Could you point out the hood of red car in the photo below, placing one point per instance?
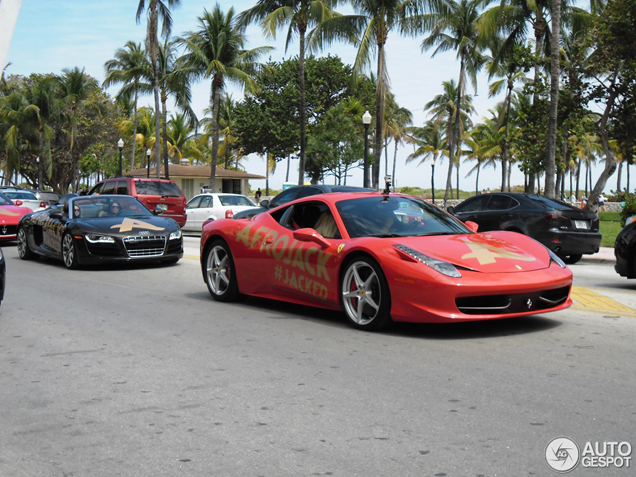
(492, 252)
(10, 214)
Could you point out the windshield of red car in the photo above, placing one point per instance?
(395, 216)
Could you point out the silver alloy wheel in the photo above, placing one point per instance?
(361, 293)
(68, 251)
(218, 270)
(22, 243)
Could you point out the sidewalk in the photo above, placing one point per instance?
(605, 254)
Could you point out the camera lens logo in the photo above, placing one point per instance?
(562, 454)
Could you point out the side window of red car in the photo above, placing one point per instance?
(122, 187)
(109, 187)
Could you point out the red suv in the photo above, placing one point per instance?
(164, 194)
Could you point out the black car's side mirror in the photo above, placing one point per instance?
(157, 211)
(450, 209)
(56, 214)
(264, 203)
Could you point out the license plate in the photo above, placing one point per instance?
(581, 224)
(162, 206)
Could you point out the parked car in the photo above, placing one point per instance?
(162, 193)
(204, 207)
(297, 192)
(99, 228)
(24, 198)
(566, 230)
(625, 251)
(47, 196)
(10, 215)
(353, 252)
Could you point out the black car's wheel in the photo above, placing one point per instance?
(220, 274)
(366, 299)
(69, 252)
(24, 252)
(572, 259)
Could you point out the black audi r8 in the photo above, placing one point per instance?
(100, 228)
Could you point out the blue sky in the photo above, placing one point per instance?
(50, 36)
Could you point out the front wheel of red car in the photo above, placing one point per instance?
(365, 295)
(220, 274)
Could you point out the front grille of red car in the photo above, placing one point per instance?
(8, 230)
(516, 303)
(145, 246)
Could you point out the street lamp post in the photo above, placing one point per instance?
(366, 121)
(148, 152)
(120, 145)
(433, 180)
(39, 186)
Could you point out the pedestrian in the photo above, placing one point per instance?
(601, 201)
(257, 196)
(583, 201)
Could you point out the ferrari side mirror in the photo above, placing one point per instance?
(310, 235)
(472, 225)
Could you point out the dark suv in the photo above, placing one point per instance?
(296, 192)
(164, 194)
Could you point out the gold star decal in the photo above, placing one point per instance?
(487, 254)
(128, 224)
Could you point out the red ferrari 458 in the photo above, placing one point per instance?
(382, 258)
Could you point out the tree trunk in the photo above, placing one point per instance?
(164, 114)
(134, 138)
(379, 115)
(153, 43)
(216, 93)
(302, 106)
(550, 166)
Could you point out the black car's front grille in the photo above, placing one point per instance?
(515, 303)
(145, 246)
(8, 230)
(104, 249)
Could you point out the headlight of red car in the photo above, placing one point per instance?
(440, 266)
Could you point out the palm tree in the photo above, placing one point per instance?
(129, 67)
(216, 51)
(181, 139)
(300, 15)
(76, 89)
(429, 142)
(453, 26)
(41, 93)
(398, 119)
(145, 136)
(18, 119)
(173, 80)
(369, 29)
(157, 10)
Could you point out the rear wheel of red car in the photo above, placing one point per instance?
(24, 252)
(220, 274)
(69, 252)
(366, 299)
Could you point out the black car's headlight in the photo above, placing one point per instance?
(440, 266)
(556, 259)
(96, 238)
(176, 235)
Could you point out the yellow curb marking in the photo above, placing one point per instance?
(592, 301)
(191, 257)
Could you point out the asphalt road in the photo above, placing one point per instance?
(137, 372)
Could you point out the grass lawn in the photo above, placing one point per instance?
(609, 226)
